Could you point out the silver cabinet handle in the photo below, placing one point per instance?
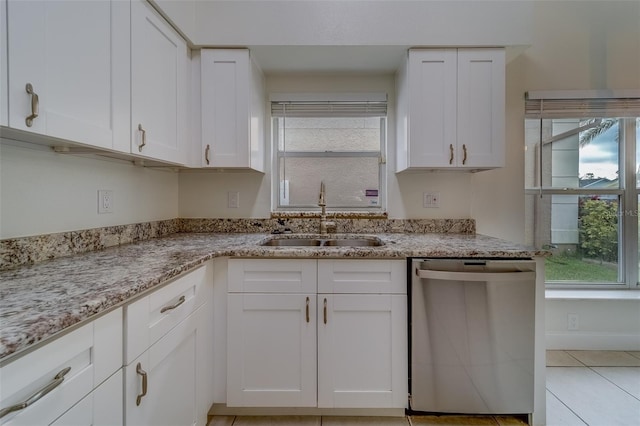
(308, 319)
(57, 381)
(142, 373)
(464, 154)
(144, 137)
(206, 153)
(324, 310)
(450, 153)
(35, 102)
(170, 307)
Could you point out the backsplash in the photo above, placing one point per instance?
(28, 250)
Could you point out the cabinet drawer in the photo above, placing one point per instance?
(272, 276)
(153, 316)
(102, 407)
(362, 276)
(89, 355)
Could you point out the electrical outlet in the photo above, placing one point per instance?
(105, 201)
(573, 322)
(233, 199)
(431, 200)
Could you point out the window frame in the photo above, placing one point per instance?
(585, 105)
(336, 99)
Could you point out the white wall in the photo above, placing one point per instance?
(205, 194)
(342, 22)
(43, 192)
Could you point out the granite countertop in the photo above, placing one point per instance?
(41, 300)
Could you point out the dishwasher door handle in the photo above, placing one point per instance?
(476, 276)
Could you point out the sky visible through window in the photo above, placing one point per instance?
(600, 156)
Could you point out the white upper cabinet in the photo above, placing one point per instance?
(159, 87)
(233, 110)
(451, 107)
(68, 70)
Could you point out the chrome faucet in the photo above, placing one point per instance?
(325, 225)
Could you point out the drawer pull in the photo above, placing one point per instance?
(35, 102)
(142, 373)
(464, 150)
(450, 153)
(308, 319)
(324, 310)
(57, 380)
(168, 308)
(206, 153)
(143, 134)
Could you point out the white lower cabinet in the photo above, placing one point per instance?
(313, 349)
(169, 381)
(271, 350)
(67, 377)
(362, 351)
(161, 383)
(102, 407)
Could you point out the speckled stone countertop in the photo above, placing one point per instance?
(40, 300)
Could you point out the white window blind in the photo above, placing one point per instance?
(581, 107)
(329, 109)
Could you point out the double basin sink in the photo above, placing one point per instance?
(320, 241)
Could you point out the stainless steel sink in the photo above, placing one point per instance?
(354, 242)
(324, 242)
(280, 242)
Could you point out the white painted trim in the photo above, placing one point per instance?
(592, 341)
(583, 94)
(592, 295)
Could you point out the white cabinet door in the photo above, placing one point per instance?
(362, 351)
(481, 107)
(451, 107)
(271, 343)
(232, 107)
(160, 385)
(75, 58)
(432, 108)
(159, 87)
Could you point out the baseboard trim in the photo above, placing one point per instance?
(223, 410)
(593, 341)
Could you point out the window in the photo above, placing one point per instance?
(340, 143)
(582, 184)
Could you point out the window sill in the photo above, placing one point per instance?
(630, 294)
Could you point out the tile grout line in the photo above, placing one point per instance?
(581, 363)
(568, 408)
(614, 383)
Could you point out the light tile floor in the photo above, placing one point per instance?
(593, 388)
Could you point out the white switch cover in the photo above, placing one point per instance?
(105, 201)
(233, 199)
(431, 200)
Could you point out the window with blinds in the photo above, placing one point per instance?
(338, 142)
(582, 180)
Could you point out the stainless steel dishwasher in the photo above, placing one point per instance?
(472, 336)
